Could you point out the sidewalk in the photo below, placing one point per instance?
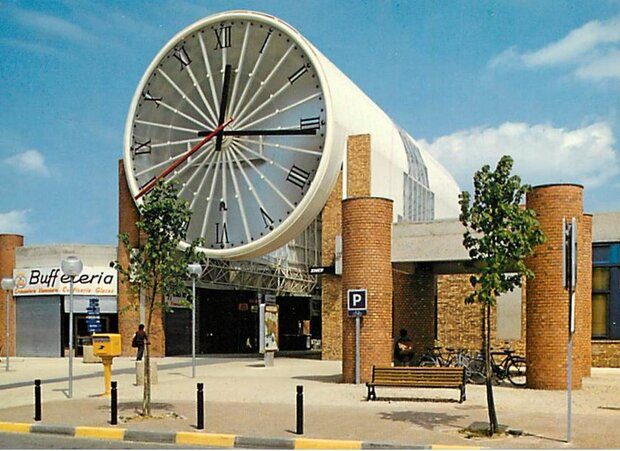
(244, 398)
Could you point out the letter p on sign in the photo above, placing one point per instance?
(357, 301)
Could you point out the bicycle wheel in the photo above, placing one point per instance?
(428, 361)
(515, 370)
(474, 371)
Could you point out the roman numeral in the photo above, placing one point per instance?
(266, 219)
(265, 41)
(302, 70)
(141, 148)
(151, 98)
(223, 37)
(310, 123)
(183, 57)
(221, 234)
(298, 177)
(223, 206)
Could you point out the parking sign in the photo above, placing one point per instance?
(357, 301)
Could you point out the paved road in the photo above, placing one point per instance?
(47, 441)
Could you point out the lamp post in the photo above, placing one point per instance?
(195, 271)
(7, 285)
(71, 266)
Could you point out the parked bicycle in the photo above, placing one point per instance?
(511, 367)
(435, 357)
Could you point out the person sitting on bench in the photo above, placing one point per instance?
(403, 350)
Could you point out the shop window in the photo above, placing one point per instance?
(599, 315)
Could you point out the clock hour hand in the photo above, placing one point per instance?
(149, 186)
(223, 104)
(275, 132)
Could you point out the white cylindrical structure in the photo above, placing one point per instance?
(400, 170)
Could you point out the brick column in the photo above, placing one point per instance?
(128, 304)
(8, 244)
(547, 300)
(366, 243)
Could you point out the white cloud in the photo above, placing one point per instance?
(51, 25)
(31, 161)
(592, 50)
(14, 221)
(542, 153)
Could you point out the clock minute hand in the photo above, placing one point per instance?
(223, 103)
(275, 132)
(149, 186)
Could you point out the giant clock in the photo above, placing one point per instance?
(236, 110)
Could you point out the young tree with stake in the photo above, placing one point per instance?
(156, 267)
(500, 235)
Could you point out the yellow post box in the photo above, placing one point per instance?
(107, 346)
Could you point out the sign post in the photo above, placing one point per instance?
(569, 273)
(357, 306)
(268, 329)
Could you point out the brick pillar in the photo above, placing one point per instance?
(128, 304)
(547, 300)
(8, 244)
(584, 294)
(366, 253)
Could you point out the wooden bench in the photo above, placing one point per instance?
(417, 377)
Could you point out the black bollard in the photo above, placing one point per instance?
(200, 406)
(114, 404)
(300, 409)
(37, 400)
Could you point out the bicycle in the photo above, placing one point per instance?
(512, 367)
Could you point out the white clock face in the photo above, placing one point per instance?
(249, 181)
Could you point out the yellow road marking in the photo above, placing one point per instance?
(454, 447)
(309, 443)
(202, 438)
(103, 433)
(14, 427)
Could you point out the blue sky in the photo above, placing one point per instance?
(471, 80)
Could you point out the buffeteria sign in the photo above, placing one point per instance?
(93, 280)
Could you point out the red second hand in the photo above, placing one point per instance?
(174, 165)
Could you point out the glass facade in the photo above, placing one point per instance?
(419, 200)
(606, 291)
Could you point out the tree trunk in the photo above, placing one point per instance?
(146, 394)
(489, 373)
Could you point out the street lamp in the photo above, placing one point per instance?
(195, 271)
(71, 266)
(7, 285)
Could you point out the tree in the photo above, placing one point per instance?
(500, 235)
(156, 268)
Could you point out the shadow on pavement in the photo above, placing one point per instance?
(426, 420)
(331, 378)
(98, 374)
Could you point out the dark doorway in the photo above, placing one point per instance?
(228, 321)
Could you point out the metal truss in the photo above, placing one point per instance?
(282, 272)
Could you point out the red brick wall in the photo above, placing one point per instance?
(366, 239)
(331, 285)
(8, 244)
(606, 353)
(129, 316)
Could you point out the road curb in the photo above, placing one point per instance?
(207, 439)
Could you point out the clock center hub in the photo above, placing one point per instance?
(227, 141)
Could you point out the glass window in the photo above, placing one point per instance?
(599, 315)
(600, 279)
(600, 254)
